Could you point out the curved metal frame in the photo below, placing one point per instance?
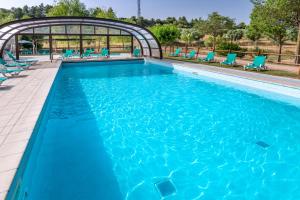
(16, 27)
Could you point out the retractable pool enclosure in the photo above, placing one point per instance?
(78, 27)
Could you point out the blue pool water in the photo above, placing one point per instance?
(140, 131)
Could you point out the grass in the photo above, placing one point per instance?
(239, 67)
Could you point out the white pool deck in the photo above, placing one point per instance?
(22, 99)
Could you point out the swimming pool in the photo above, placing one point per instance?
(138, 130)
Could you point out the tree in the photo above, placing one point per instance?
(102, 13)
(5, 16)
(241, 25)
(216, 25)
(183, 23)
(166, 34)
(188, 35)
(293, 7)
(68, 8)
(171, 20)
(234, 35)
(291, 10)
(209, 41)
(253, 34)
(272, 21)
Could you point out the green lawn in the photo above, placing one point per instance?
(239, 67)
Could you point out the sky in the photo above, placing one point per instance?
(237, 9)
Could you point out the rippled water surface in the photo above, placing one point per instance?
(116, 131)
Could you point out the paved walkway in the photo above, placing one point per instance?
(21, 101)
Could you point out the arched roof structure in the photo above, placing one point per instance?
(148, 42)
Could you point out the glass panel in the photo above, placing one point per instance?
(62, 42)
(139, 37)
(148, 36)
(155, 53)
(28, 31)
(73, 29)
(101, 30)
(87, 30)
(42, 30)
(42, 45)
(6, 36)
(1, 42)
(146, 52)
(113, 31)
(120, 44)
(58, 29)
(94, 43)
(144, 43)
(124, 33)
(143, 32)
(153, 43)
(14, 31)
(7, 28)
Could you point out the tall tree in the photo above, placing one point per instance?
(291, 10)
(293, 7)
(182, 22)
(166, 34)
(68, 8)
(102, 13)
(254, 31)
(216, 25)
(253, 34)
(272, 21)
(5, 16)
(188, 36)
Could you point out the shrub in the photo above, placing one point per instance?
(225, 46)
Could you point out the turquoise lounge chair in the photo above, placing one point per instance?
(230, 60)
(136, 53)
(176, 53)
(190, 55)
(2, 79)
(14, 64)
(12, 72)
(209, 58)
(104, 53)
(258, 63)
(68, 54)
(26, 61)
(87, 53)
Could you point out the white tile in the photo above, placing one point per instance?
(2, 138)
(21, 136)
(12, 148)
(2, 195)
(5, 130)
(19, 111)
(10, 162)
(6, 179)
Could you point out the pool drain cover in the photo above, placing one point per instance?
(262, 144)
(165, 187)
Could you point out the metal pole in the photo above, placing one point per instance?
(50, 47)
(108, 44)
(80, 42)
(131, 45)
(17, 47)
